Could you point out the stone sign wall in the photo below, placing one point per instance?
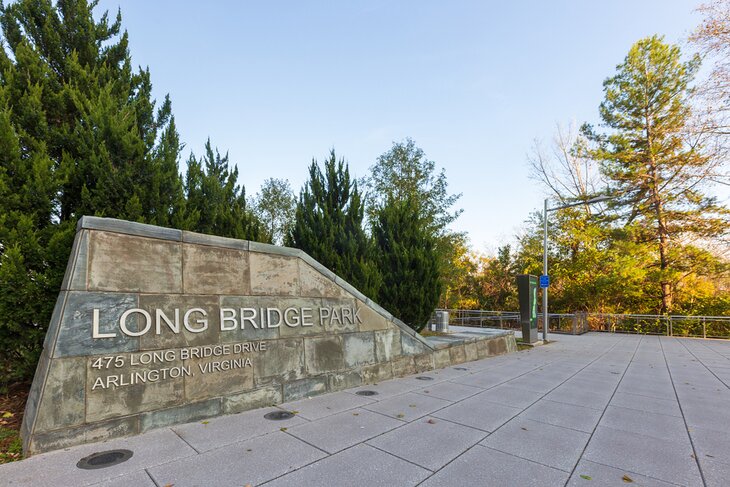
(155, 326)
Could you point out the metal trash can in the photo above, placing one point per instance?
(442, 322)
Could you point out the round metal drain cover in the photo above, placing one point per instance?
(104, 459)
(424, 377)
(366, 393)
(460, 368)
(278, 415)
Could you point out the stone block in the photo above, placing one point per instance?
(214, 241)
(129, 228)
(423, 362)
(314, 284)
(223, 376)
(78, 435)
(257, 398)
(63, 395)
(123, 263)
(274, 275)
(342, 317)
(457, 354)
(215, 270)
(282, 359)
(187, 413)
(249, 332)
(350, 289)
(412, 346)
(265, 248)
(324, 354)
(371, 319)
(338, 381)
(387, 344)
(75, 333)
(404, 365)
(471, 352)
(303, 310)
(299, 389)
(441, 359)
(376, 373)
(175, 307)
(482, 349)
(359, 349)
(75, 277)
(497, 346)
(120, 391)
(53, 326)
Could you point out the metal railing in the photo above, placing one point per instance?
(581, 322)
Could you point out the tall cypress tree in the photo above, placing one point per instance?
(329, 225)
(405, 253)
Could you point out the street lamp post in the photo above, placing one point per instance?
(545, 315)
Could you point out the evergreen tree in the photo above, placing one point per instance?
(652, 161)
(216, 203)
(328, 225)
(274, 206)
(405, 252)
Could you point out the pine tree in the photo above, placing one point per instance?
(653, 162)
(328, 225)
(405, 253)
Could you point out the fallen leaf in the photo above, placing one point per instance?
(627, 479)
(586, 477)
(248, 449)
(7, 414)
(709, 456)
(426, 392)
(169, 485)
(282, 429)
(204, 422)
(431, 421)
(356, 414)
(411, 405)
(400, 415)
(524, 428)
(692, 455)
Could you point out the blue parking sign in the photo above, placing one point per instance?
(544, 281)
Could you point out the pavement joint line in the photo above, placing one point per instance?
(401, 458)
(681, 410)
(185, 441)
(151, 477)
(286, 432)
(635, 473)
(603, 413)
(703, 364)
(530, 405)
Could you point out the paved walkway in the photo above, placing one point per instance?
(588, 411)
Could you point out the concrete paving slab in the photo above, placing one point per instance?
(356, 466)
(508, 395)
(59, 467)
(716, 473)
(645, 403)
(565, 415)
(475, 413)
(451, 391)
(659, 426)
(136, 479)
(483, 379)
(540, 442)
(590, 474)
(225, 430)
(660, 459)
(409, 406)
(326, 405)
(484, 466)
(343, 430)
(580, 396)
(647, 387)
(712, 444)
(248, 462)
(429, 442)
(537, 382)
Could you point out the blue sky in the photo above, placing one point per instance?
(472, 82)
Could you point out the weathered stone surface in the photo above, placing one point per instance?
(482, 349)
(411, 346)
(299, 308)
(283, 359)
(300, 389)
(273, 275)
(457, 354)
(123, 263)
(404, 365)
(441, 359)
(223, 376)
(387, 344)
(341, 321)
(359, 349)
(182, 414)
(214, 241)
(63, 402)
(75, 277)
(423, 362)
(372, 320)
(52, 331)
(497, 346)
(257, 398)
(63, 438)
(470, 350)
(214, 270)
(314, 284)
(110, 402)
(249, 332)
(75, 333)
(183, 303)
(129, 228)
(324, 354)
(338, 381)
(376, 373)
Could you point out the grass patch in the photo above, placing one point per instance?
(429, 333)
(12, 405)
